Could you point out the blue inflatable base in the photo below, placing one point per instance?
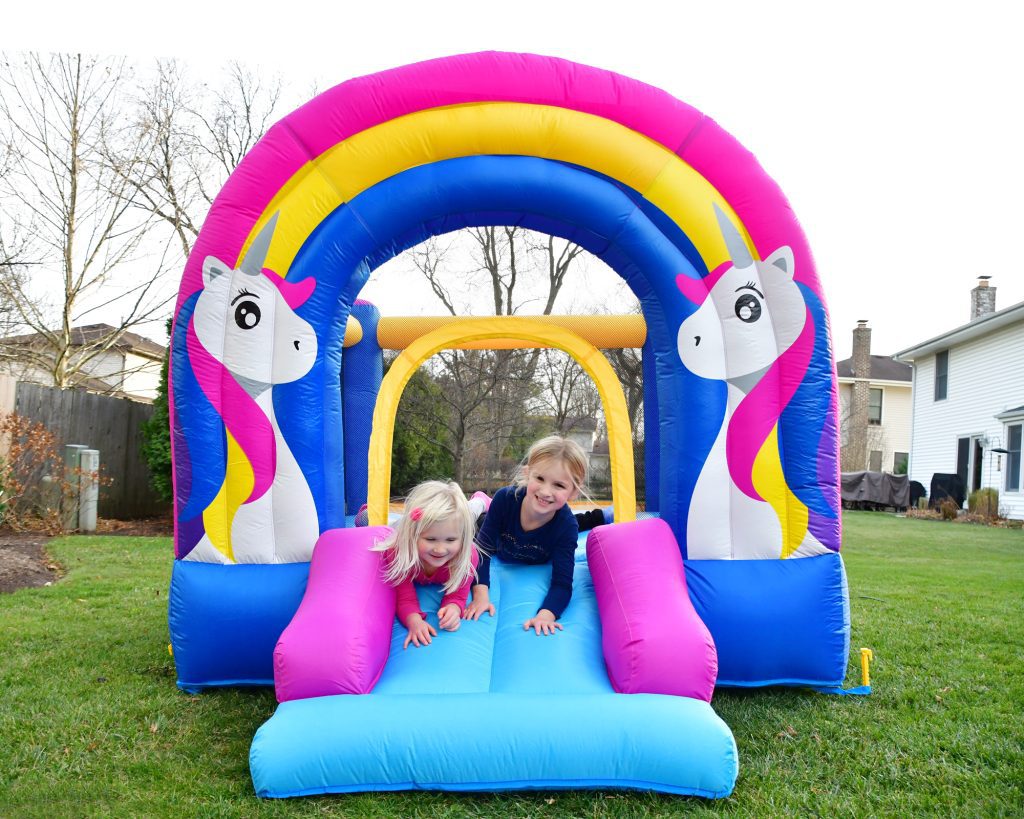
(494, 742)
(774, 622)
(225, 620)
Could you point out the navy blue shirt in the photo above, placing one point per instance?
(502, 534)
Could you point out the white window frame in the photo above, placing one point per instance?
(881, 403)
(1007, 426)
(945, 376)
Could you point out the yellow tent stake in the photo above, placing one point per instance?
(866, 656)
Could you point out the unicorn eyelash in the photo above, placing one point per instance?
(243, 292)
(750, 286)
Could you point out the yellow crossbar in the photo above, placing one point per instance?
(603, 332)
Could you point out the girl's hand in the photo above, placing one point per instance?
(480, 603)
(543, 623)
(448, 617)
(420, 632)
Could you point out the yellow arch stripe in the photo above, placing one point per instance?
(770, 483)
(504, 128)
(620, 447)
(237, 486)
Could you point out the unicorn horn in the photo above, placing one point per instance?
(733, 241)
(256, 255)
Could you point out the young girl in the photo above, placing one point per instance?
(432, 543)
(530, 522)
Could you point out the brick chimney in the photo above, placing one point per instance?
(983, 298)
(854, 456)
(862, 349)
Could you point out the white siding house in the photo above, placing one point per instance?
(968, 404)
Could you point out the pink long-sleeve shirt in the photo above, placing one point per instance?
(408, 603)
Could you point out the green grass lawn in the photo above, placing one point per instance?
(91, 722)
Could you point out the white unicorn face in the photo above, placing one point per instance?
(243, 321)
(753, 315)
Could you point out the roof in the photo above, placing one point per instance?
(883, 368)
(91, 333)
(966, 332)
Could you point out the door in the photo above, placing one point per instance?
(963, 459)
(977, 456)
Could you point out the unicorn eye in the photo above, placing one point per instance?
(247, 315)
(748, 308)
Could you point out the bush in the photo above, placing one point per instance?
(949, 509)
(984, 502)
(33, 485)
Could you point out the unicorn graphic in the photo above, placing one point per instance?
(752, 330)
(245, 337)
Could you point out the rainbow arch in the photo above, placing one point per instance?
(327, 159)
(640, 179)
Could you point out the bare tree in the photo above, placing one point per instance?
(155, 156)
(488, 394)
(184, 140)
(12, 273)
(77, 214)
(628, 365)
(241, 111)
(566, 392)
(857, 440)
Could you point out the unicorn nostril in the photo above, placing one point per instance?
(696, 341)
(296, 343)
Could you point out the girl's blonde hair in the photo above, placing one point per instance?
(428, 503)
(559, 449)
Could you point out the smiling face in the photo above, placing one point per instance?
(439, 543)
(549, 486)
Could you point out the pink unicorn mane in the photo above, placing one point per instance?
(246, 422)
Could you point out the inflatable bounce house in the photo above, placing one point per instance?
(282, 427)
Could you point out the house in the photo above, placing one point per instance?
(129, 368)
(582, 430)
(875, 407)
(969, 401)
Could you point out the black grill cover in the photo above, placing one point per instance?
(879, 488)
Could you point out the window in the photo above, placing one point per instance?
(899, 462)
(875, 406)
(941, 374)
(1013, 434)
(875, 460)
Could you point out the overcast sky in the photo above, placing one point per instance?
(894, 128)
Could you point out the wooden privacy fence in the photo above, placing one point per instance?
(111, 425)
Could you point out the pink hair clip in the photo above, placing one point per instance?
(416, 514)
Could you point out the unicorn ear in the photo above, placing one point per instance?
(214, 267)
(783, 259)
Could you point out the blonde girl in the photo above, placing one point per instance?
(530, 522)
(432, 543)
